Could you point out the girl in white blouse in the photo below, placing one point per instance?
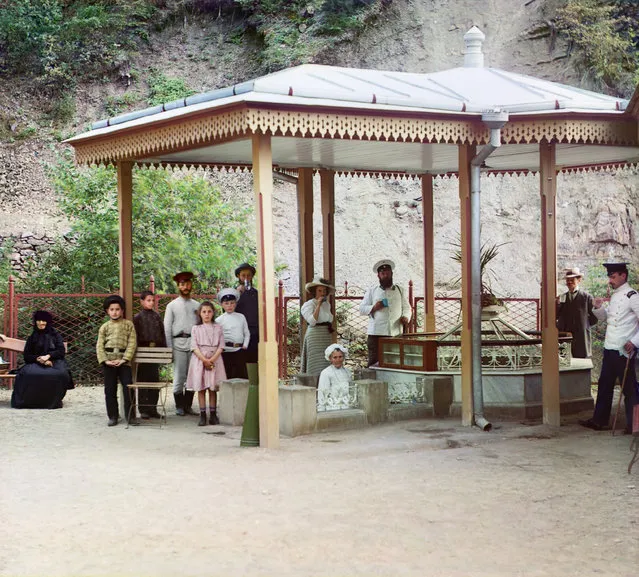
(317, 313)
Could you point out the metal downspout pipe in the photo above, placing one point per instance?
(494, 120)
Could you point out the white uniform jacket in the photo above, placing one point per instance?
(386, 321)
(622, 316)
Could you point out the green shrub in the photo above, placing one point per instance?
(57, 41)
(604, 34)
(180, 220)
(163, 89)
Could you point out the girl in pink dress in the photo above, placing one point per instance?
(206, 368)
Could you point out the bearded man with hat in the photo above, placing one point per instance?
(574, 314)
(179, 319)
(622, 339)
(248, 306)
(387, 307)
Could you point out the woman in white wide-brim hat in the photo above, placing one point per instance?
(317, 313)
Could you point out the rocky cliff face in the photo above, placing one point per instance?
(377, 218)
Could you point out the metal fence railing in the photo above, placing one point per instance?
(78, 316)
(351, 326)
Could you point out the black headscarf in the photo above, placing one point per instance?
(42, 315)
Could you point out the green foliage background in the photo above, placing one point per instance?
(180, 222)
(605, 34)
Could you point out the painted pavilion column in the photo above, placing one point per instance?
(429, 253)
(549, 332)
(125, 213)
(305, 226)
(267, 347)
(327, 187)
(466, 154)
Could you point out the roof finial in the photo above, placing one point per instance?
(474, 57)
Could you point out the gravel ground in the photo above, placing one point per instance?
(425, 497)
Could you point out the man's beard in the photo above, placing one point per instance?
(386, 283)
(185, 293)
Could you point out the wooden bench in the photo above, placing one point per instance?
(12, 345)
(150, 355)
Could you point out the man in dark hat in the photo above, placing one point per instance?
(179, 319)
(387, 307)
(622, 338)
(248, 306)
(574, 314)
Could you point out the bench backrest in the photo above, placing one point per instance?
(17, 345)
(153, 355)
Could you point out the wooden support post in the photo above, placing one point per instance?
(429, 253)
(549, 333)
(305, 226)
(466, 154)
(267, 348)
(125, 213)
(327, 187)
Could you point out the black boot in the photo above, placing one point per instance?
(188, 401)
(179, 403)
(213, 420)
(202, 420)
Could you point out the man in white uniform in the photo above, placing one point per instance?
(622, 338)
(387, 307)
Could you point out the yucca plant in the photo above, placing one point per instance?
(488, 253)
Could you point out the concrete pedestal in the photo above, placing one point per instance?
(232, 399)
(373, 400)
(298, 410)
(340, 420)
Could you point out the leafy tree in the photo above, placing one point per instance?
(180, 221)
(605, 36)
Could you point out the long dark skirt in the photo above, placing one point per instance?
(38, 387)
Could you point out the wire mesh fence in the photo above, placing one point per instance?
(351, 325)
(78, 317)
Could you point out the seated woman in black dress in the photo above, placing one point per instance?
(44, 379)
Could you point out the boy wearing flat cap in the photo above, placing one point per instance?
(236, 334)
(247, 305)
(622, 338)
(115, 349)
(574, 314)
(179, 318)
(387, 307)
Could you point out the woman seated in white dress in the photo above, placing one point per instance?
(334, 381)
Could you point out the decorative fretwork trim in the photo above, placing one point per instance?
(231, 124)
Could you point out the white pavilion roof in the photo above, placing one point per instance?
(464, 92)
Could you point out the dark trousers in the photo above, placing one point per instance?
(111, 376)
(613, 368)
(235, 365)
(373, 349)
(251, 353)
(148, 398)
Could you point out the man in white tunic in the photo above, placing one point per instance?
(622, 339)
(179, 319)
(387, 307)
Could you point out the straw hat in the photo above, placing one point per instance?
(573, 273)
(317, 281)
